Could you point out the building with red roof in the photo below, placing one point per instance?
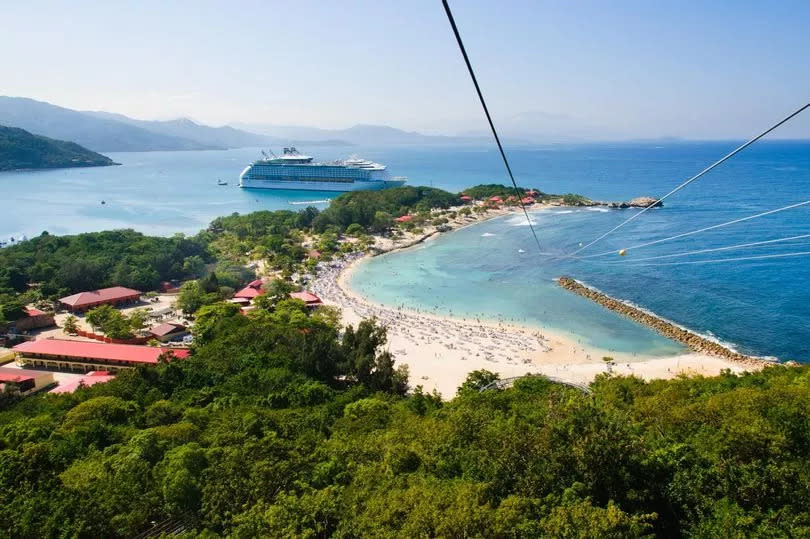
(307, 297)
(496, 199)
(404, 219)
(33, 319)
(115, 296)
(89, 356)
(528, 200)
(23, 380)
(168, 331)
(90, 379)
(465, 198)
(253, 289)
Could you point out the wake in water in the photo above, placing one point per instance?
(296, 203)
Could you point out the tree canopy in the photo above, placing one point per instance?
(283, 424)
(64, 265)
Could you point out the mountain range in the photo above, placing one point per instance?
(109, 132)
(367, 135)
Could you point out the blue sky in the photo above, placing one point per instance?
(592, 69)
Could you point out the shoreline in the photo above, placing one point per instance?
(441, 350)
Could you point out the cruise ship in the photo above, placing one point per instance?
(295, 171)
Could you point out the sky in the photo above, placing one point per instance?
(581, 69)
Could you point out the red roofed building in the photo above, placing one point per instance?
(23, 380)
(528, 200)
(496, 199)
(255, 288)
(90, 379)
(115, 296)
(466, 198)
(33, 319)
(307, 297)
(89, 356)
(168, 331)
(404, 219)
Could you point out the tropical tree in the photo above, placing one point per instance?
(70, 325)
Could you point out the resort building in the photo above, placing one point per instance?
(90, 379)
(24, 381)
(404, 219)
(168, 331)
(78, 356)
(255, 288)
(116, 296)
(307, 297)
(33, 319)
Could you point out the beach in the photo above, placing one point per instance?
(440, 351)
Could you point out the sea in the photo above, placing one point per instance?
(495, 270)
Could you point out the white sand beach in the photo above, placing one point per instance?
(440, 351)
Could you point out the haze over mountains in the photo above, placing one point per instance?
(363, 134)
(110, 132)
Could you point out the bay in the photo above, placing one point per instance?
(760, 306)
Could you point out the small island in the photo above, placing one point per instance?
(20, 150)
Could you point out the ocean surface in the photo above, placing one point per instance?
(762, 306)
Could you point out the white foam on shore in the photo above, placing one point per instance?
(487, 235)
(600, 210)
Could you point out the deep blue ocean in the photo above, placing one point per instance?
(760, 306)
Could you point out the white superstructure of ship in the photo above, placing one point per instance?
(295, 171)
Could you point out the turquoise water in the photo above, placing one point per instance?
(762, 307)
(477, 272)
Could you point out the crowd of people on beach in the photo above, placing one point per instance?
(466, 339)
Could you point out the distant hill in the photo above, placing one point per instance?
(98, 134)
(110, 132)
(221, 137)
(367, 135)
(20, 149)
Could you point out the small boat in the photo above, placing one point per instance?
(103, 202)
(222, 182)
(521, 251)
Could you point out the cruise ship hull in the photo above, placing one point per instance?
(304, 185)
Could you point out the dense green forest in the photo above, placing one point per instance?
(20, 149)
(67, 264)
(367, 207)
(279, 425)
(481, 192)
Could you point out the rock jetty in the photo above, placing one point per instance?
(658, 324)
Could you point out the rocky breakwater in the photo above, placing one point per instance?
(694, 341)
(638, 202)
(578, 200)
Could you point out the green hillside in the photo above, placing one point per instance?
(20, 149)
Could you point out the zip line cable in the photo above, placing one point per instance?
(693, 178)
(715, 249)
(489, 119)
(736, 259)
(705, 229)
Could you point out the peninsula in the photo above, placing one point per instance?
(21, 150)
